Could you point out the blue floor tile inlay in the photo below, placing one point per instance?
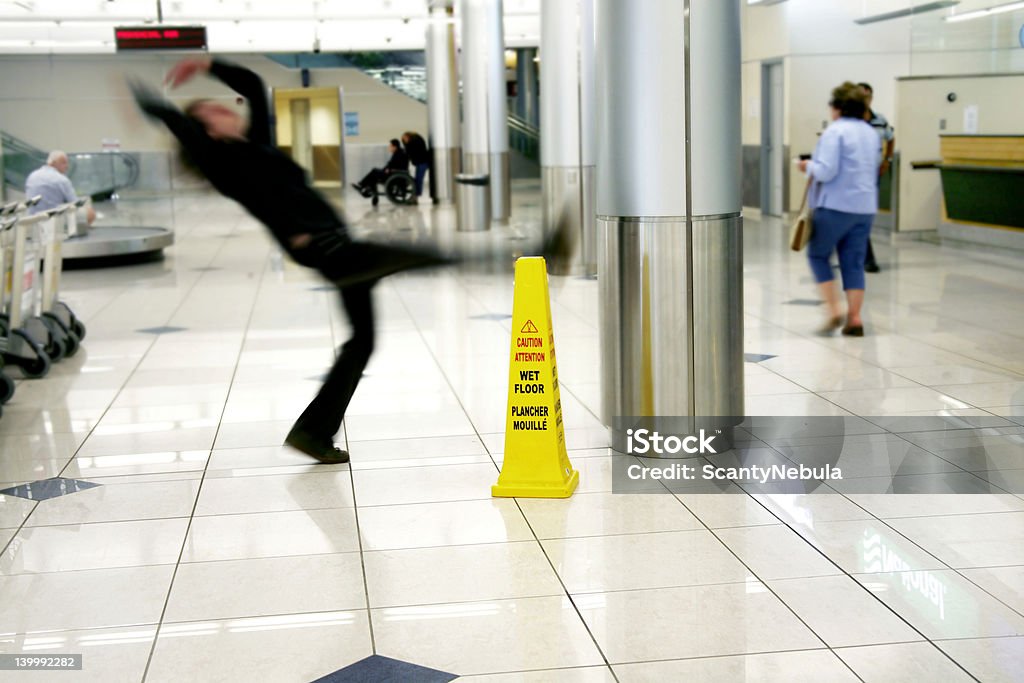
(162, 330)
(491, 316)
(803, 302)
(386, 670)
(49, 488)
(756, 357)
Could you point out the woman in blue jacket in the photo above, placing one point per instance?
(844, 196)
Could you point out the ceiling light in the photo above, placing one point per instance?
(909, 11)
(988, 11)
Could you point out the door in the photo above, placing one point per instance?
(308, 126)
(773, 158)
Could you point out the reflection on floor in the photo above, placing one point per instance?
(209, 553)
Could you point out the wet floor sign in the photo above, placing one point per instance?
(536, 464)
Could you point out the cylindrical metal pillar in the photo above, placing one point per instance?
(668, 204)
(567, 108)
(484, 110)
(527, 90)
(442, 102)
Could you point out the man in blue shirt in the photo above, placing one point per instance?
(887, 142)
(51, 183)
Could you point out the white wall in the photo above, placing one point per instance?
(74, 102)
(923, 106)
(821, 46)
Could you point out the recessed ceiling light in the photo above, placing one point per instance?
(908, 11)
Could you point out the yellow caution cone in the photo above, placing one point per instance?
(536, 464)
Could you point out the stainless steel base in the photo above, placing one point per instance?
(446, 162)
(568, 196)
(671, 318)
(104, 241)
(497, 167)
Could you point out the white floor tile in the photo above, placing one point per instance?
(119, 503)
(288, 648)
(486, 637)
(902, 663)
(63, 601)
(602, 514)
(656, 560)
(395, 527)
(587, 674)
(424, 484)
(776, 552)
(942, 604)
(806, 666)
(860, 545)
(500, 571)
(271, 534)
(988, 659)
(115, 654)
(266, 586)
(275, 493)
(698, 621)
(963, 541)
(1006, 584)
(94, 546)
(841, 612)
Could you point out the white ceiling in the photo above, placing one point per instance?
(87, 26)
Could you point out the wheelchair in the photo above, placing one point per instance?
(400, 188)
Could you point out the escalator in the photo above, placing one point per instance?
(98, 175)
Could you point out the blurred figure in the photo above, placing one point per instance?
(51, 182)
(419, 157)
(398, 162)
(844, 196)
(887, 142)
(242, 163)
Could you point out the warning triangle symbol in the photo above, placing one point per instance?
(529, 328)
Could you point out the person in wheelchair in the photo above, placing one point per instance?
(399, 162)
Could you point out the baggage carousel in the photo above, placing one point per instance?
(113, 243)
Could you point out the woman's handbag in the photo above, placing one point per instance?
(800, 233)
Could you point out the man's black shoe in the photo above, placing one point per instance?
(871, 268)
(321, 450)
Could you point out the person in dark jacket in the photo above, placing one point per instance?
(242, 163)
(399, 161)
(419, 157)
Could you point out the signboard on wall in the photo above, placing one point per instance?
(160, 38)
(351, 124)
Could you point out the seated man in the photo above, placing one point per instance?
(51, 183)
(398, 162)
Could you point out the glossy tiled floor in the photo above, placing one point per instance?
(209, 553)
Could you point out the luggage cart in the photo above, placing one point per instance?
(27, 340)
(62, 320)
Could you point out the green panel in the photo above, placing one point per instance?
(980, 195)
(885, 190)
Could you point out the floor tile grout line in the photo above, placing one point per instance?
(199, 490)
(850, 576)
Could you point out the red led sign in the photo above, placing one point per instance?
(160, 37)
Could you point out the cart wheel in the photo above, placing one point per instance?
(375, 200)
(6, 388)
(55, 347)
(39, 364)
(78, 327)
(60, 332)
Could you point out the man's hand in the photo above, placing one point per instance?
(802, 165)
(185, 70)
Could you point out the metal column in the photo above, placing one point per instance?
(568, 147)
(668, 203)
(484, 110)
(442, 101)
(302, 140)
(527, 93)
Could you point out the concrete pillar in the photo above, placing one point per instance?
(442, 102)
(484, 112)
(568, 147)
(668, 204)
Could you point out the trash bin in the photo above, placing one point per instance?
(473, 201)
